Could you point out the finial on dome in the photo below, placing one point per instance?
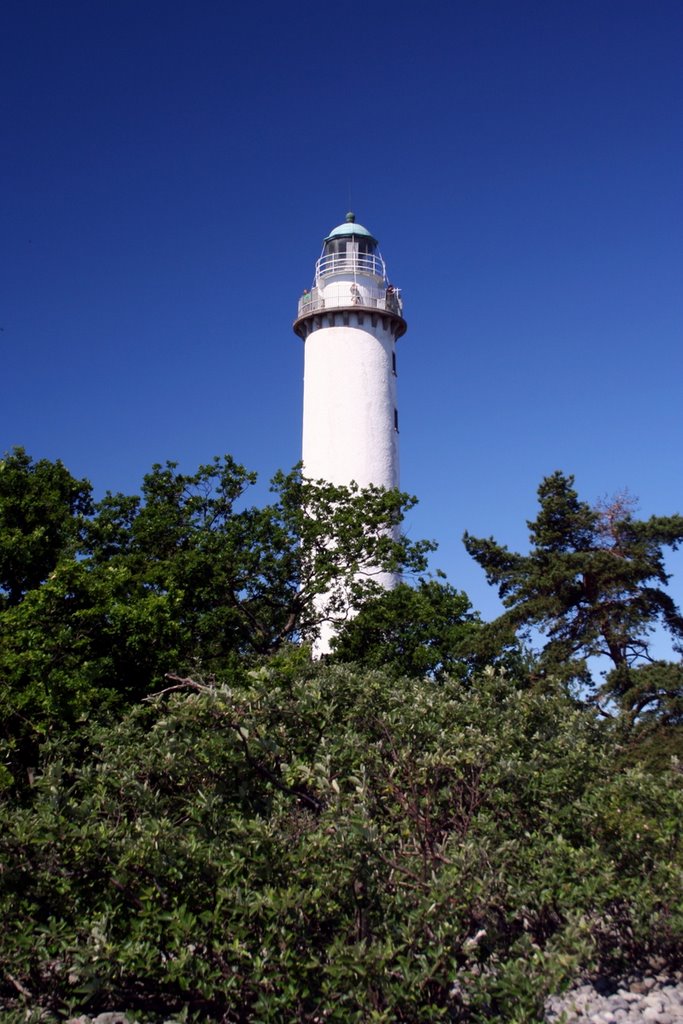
(350, 218)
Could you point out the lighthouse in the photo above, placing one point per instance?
(349, 322)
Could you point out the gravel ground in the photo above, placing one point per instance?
(650, 1000)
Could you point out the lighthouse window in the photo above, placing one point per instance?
(396, 420)
(336, 247)
(393, 363)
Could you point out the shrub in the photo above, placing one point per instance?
(324, 844)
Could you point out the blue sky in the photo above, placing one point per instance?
(169, 170)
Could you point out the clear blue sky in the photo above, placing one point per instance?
(169, 170)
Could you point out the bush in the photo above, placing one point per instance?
(322, 844)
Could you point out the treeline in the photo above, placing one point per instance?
(443, 821)
(98, 600)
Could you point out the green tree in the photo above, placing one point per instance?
(319, 841)
(592, 584)
(649, 697)
(651, 691)
(87, 641)
(41, 515)
(426, 630)
(187, 576)
(248, 579)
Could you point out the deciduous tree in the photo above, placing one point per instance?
(102, 601)
(426, 630)
(324, 842)
(41, 512)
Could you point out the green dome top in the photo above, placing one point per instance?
(348, 228)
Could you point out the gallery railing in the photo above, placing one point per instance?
(345, 296)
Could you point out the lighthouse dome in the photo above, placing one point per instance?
(350, 228)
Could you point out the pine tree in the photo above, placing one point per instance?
(592, 584)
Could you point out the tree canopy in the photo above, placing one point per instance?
(41, 512)
(428, 825)
(318, 842)
(593, 584)
(429, 629)
(102, 599)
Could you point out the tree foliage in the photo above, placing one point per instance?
(247, 578)
(314, 842)
(425, 630)
(41, 511)
(593, 584)
(102, 600)
(319, 843)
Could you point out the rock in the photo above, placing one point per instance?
(113, 1018)
(646, 1000)
(627, 996)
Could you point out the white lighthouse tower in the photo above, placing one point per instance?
(350, 322)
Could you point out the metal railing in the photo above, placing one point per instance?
(350, 263)
(347, 296)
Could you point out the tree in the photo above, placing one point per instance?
(651, 691)
(184, 577)
(426, 630)
(336, 844)
(88, 641)
(249, 579)
(592, 583)
(41, 514)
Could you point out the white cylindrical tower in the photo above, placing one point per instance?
(350, 322)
